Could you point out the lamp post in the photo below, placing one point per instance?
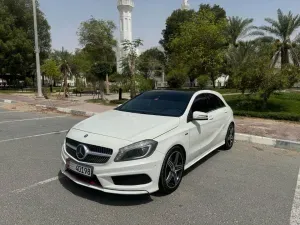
(37, 54)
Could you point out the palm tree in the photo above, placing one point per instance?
(280, 32)
(64, 60)
(238, 28)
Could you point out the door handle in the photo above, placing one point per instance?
(210, 117)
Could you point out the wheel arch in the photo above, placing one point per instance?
(183, 150)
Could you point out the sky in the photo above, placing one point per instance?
(148, 17)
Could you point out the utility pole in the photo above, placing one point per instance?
(37, 54)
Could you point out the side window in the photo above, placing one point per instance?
(214, 102)
(200, 104)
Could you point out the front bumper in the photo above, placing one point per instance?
(150, 166)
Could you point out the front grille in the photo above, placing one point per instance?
(92, 148)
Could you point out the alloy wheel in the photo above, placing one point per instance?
(230, 137)
(174, 169)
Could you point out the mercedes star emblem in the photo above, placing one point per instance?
(81, 152)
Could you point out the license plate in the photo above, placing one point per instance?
(81, 169)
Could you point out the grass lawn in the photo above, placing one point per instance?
(281, 106)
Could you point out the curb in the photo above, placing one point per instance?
(68, 111)
(277, 143)
(7, 101)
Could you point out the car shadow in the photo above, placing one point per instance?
(102, 197)
(201, 161)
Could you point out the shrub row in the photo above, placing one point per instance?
(269, 115)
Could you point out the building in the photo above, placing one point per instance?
(185, 5)
(3, 82)
(222, 80)
(125, 8)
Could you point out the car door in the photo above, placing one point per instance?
(200, 131)
(218, 114)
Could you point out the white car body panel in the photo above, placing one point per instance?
(116, 129)
(128, 126)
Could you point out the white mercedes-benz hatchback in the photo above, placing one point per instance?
(145, 144)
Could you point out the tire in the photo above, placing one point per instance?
(229, 139)
(172, 170)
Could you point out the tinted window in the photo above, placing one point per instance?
(200, 104)
(214, 102)
(163, 103)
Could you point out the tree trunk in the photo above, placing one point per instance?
(284, 56)
(212, 78)
(132, 80)
(102, 85)
(265, 97)
(43, 79)
(65, 84)
(191, 82)
(132, 86)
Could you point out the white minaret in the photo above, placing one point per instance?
(125, 8)
(185, 5)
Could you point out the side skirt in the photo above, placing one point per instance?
(203, 155)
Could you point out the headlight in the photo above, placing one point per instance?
(137, 150)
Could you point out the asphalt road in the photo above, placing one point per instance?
(250, 184)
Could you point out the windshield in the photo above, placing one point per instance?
(163, 103)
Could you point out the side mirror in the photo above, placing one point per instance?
(119, 105)
(200, 116)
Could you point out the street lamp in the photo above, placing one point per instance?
(37, 54)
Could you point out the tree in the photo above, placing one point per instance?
(253, 71)
(201, 45)
(280, 32)
(292, 74)
(64, 60)
(81, 67)
(51, 70)
(176, 77)
(238, 28)
(242, 64)
(100, 70)
(219, 12)
(17, 37)
(173, 24)
(97, 40)
(130, 48)
(151, 62)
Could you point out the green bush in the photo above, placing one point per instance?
(46, 91)
(118, 102)
(114, 88)
(269, 115)
(176, 79)
(28, 82)
(281, 106)
(202, 81)
(144, 84)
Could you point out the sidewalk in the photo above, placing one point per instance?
(258, 127)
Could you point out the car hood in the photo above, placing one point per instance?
(128, 126)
